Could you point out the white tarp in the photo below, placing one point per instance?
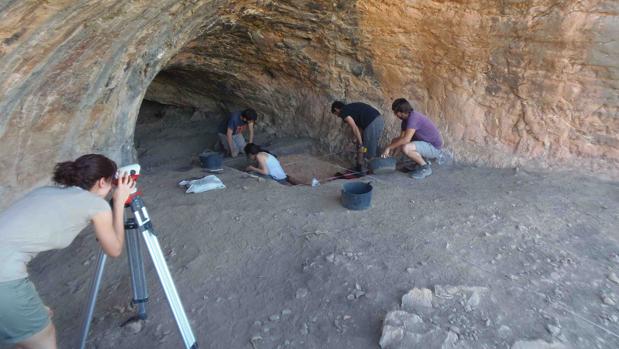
(202, 184)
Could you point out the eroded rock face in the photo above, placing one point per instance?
(533, 83)
(73, 74)
(509, 83)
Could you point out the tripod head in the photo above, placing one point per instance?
(133, 171)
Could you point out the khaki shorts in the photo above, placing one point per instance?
(427, 150)
(22, 313)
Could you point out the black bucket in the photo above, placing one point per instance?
(380, 165)
(357, 195)
(212, 162)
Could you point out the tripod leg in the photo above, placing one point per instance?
(152, 243)
(138, 276)
(92, 301)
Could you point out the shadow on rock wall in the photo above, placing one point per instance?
(532, 83)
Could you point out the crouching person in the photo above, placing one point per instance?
(231, 130)
(268, 165)
(419, 139)
(50, 218)
(365, 122)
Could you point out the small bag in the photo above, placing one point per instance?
(203, 184)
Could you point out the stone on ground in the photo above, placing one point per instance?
(538, 344)
(417, 298)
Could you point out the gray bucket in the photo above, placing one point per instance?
(212, 162)
(380, 165)
(357, 195)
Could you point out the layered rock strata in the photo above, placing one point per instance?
(509, 83)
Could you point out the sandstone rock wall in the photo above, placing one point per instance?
(73, 74)
(510, 82)
(531, 83)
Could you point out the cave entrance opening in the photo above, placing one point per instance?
(171, 136)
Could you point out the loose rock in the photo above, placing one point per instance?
(553, 330)
(301, 293)
(416, 298)
(505, 332)
(394, 327)
(473, 302)
(537, 344)
(134, 326)
(606, 299)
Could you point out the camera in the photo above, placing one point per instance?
(133, 171)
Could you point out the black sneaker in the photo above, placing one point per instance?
(407, 168)
(421, 172)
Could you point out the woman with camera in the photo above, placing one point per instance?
(50, 218)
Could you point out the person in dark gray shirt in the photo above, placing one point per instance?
(365, 122)
(230, 131)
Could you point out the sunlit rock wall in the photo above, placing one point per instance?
(531, 83)
(512, 82)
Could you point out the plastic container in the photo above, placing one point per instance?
(357, 195)
(380, 165)
(212, 162)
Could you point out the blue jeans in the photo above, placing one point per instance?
(371, 136)
(238, 142)
(280, 181)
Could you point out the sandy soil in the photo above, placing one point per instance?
(283, 265)
(262, 265)
(303, 168)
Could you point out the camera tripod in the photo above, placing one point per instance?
(140, 223)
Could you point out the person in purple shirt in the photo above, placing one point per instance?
(419, 139)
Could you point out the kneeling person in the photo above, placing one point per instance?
(231, 131)
(419, 139)
(268, 165)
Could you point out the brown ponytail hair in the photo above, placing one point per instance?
(85, 171)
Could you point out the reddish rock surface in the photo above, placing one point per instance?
(509, 83)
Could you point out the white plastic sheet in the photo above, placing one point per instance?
(203, 184)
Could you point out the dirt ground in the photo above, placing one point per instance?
(509, 257)
(303, 168)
